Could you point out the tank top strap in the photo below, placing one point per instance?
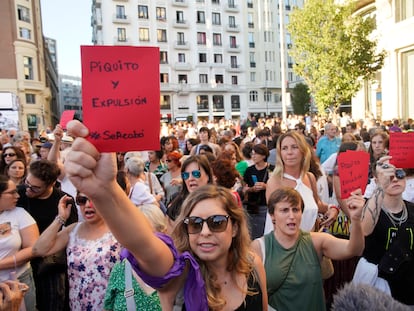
(298, 180)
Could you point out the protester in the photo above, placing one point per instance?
(16, 171)
(329, 143)
(171, 180)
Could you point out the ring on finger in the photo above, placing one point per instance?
(385, 166)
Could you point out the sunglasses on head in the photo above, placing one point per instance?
(195, 173)
(81, 200)
(215, 223)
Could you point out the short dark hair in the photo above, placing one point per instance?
(45, 170)
(205, 129)
(261, 149)
(284, 194)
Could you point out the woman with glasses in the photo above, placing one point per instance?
(213, 264)
(18, 234)
(91, 252)
(388, 226)
(16, 171)
(171, 180)
(9, 154)
(195, 172)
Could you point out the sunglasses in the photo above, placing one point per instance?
(81, 200)
(195, 173)
(215, 223)
(34, 189)
(9, 155)
(399, 173)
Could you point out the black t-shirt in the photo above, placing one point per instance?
(256, 198)
(44, 211)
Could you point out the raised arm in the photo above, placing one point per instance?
(94, 174)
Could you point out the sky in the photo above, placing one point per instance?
(69, 23)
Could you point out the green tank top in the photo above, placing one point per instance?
(302, 289)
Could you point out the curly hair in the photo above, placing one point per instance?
(240, 260)
(225, 172)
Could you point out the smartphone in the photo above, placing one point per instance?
(254, 179)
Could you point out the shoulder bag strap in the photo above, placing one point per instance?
(149, 181)
(129, 290)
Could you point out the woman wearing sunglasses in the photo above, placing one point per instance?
(388, 225)
(91, 252)
(195, 172)
(211, 262)
(9, 154)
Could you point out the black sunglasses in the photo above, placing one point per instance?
(81, 200)
(8, 155)
(195, 173)
(400, 173)
(216, 223)
(34, 189)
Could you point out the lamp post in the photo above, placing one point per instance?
(282, 58)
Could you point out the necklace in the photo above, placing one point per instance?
(396, 219)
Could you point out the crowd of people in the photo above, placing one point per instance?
(224, 216)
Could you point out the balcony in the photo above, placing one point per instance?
(182, 66)
(166, 87)
(120, 19)
(232, 7)
(181, 24)
(234, 68)
(181, 45)
(234, 48)
(179, 3)
(232, 28)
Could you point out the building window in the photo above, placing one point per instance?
(23, 13)
(161, 14)
(232, 22)
(407, 78)
(253, 77)
(218, 58)
(233, 42)
(233, 62)
(235, 102)
(201, 18)
(234, 80)
(405, 9)
(253, 96)
(218, 103)
(250, 21)
(28, 68)
(120, 12)
(215, 1)
(202, 57)
(25, 33)
(267, 96)
(216, 19)
(179, 15)
(165, 102)
(163, 57)
(250, 4)
(30, 98)
(202, 103)
(219, 79)
(164, 78)
(182, 79)
(181, 57)
(250, 37)
(180, 38)
(203, 78)
(161, 35)
(143, 34)
(142, 11)
(201, 38)
(122, 35)
(216, 39)
(252, 59)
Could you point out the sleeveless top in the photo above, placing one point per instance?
(89, 265)
(310, 211)
(293, 275)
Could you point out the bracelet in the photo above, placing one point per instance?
(60, 220)
(335, 207)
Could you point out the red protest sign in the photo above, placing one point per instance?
(66, 116)
(402, 149)
(121, 97)
(352, 171)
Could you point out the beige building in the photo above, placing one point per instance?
(392, 94)
(22, 63)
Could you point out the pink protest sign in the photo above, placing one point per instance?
(353, 171)
(66, 116)
(402, 149)
(121, 97)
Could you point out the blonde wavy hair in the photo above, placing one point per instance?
(240, 259)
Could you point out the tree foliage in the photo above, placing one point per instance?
(300, 99)
(333, 50)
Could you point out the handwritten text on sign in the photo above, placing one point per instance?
(352, 171)
(402, 149)
(120, 97)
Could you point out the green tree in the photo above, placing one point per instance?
(300, 99)
(333, 50)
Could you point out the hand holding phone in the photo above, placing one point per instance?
(254, 179)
